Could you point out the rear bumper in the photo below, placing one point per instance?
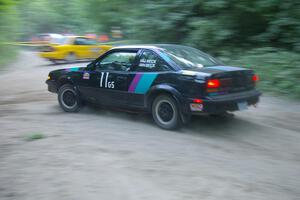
(52, 86)
(223, 103)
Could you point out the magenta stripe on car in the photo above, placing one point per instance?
(134, 82)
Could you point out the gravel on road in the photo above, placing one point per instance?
(112, 155)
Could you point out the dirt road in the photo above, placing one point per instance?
(109, 155)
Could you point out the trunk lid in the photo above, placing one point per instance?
(232, 79)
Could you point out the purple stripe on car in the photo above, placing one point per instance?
(134, 82)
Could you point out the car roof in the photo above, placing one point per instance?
(76, 36)
(147, 46)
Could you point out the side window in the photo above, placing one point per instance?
(84, 41)
(116, 61)
(79, 41)
(151, 62)
(90, 42)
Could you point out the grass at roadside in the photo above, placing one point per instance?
(34, 136)
(7, 54)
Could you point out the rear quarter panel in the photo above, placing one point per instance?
(185, 85)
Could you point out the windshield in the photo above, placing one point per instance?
(59, 40)
(190, 58)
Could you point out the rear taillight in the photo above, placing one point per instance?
(213, 83)
(255, 78)
(197, 101)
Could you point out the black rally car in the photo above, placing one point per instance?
(170, 81)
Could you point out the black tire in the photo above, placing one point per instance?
(165, 112)
(69, 99)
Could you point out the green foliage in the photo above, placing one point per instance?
(34, 136)
(45, 16)
(8, 29)
(212, 25)
(222, 27)
(206, 35)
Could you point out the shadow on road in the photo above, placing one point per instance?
(199, 125)
(221, 126)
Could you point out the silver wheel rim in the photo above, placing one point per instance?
(158, 116)
(62, 99)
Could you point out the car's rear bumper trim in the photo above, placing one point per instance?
(223, 103)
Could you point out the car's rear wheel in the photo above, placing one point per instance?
(70, 58)
(165, 112)
(69, 99)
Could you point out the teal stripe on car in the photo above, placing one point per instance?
(145, 83)
(73, 69)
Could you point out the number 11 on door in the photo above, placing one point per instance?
(104, 83)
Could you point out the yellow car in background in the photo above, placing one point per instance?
(72, 48)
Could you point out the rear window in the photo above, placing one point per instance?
(190, 58)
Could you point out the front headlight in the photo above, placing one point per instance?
(48, 77)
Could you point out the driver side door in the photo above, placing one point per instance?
(107, 83)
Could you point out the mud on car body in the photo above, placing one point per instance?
(172, 82)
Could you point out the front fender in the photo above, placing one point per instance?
(65, 79)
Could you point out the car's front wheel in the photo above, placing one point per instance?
(165, 112)
(69, 99)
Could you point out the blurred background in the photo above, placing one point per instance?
(259, 34)
(48, 154)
